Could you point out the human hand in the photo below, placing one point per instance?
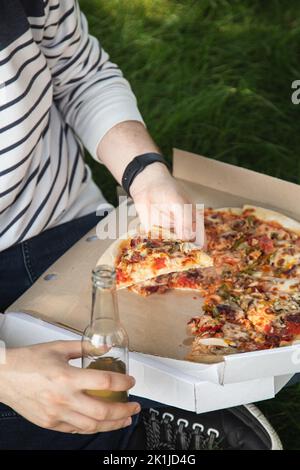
(159, 200)
(39, 384)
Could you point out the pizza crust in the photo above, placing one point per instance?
(232, 210)
(180, 289)
(268, 215)
(204, 358)
(109, 256)
(216, 358)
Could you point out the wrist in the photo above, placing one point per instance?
(137, 166)
(152, 173)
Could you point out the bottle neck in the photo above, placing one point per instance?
(104, 304)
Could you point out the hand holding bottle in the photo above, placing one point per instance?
(39, 384)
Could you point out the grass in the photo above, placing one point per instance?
(213, 77)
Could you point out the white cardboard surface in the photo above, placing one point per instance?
(257, 364)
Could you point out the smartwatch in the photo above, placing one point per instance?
(137, 165)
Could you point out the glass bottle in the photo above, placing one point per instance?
(105, 341)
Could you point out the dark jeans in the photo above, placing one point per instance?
(20, 266)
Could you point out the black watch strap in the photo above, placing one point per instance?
(137, 165)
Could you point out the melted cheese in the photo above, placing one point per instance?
(259, 317)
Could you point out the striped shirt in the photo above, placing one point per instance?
(58, 93)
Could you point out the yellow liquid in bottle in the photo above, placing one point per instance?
(113, 365)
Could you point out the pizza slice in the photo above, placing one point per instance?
(145, 256)
(215, 338)
(156, 285)
(198, 280)
(235, 322)
(253, 240)
(258, 283)
(278, 320)
(272, 247)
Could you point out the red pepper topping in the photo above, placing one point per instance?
(120, 276)
(159, 263)
(266, 244)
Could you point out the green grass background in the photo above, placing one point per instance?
(213, 77)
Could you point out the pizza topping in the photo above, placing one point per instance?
(290, 272)
(235, 332)
(251, 220)
(296, 297)
(295, 318)
(159, 263)
(135, 257)
(120, 276)
(266, 244)
(272, 341)
(204, 324)
(230, 312)
(214, 342)
(238, 224)
(285, 305)
(229, 235)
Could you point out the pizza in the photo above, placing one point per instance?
(251, 297)
(253, 241)
(246, 322)
(198, 279)
(144, 256)
(254, 303)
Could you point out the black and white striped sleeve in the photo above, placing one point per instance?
(89, 90)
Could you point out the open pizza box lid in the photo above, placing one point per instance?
(157, 325)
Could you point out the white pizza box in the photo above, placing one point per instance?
(193, 389)
(62, 296)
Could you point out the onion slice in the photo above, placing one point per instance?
(213, 342)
